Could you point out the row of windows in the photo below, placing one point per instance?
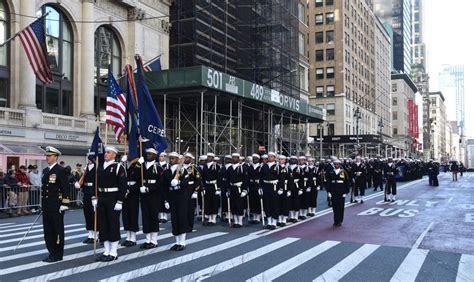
(57, 97)
(319, 55)
(319, 37)
(319, 18)
(330, 108)
(329, 73)
(319, 3)
(330, 91)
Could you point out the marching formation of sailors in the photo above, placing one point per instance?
(270, 189)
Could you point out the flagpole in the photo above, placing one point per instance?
(18, 33)
(95, 210)
(144, 64)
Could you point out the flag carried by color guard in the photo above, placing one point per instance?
(115, 110)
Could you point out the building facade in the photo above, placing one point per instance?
(342, 65)
(451, 83)
(418, 47)
(438, 127)
(404, 115)
(83, 38)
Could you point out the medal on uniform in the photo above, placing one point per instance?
(52, 178)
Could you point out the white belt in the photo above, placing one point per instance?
(255, 180)
(314, 178)
(338, 181)
(270, 181)
(130, 183)
(296, 181)
(238, 184)
(211, 182)
(305, 179)
(89, 184)
(107, 190)
(191, 182)
(150, 181)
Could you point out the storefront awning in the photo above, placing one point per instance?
(21, 149)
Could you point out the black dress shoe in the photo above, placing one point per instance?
(311, 214)
(163, 220)
(150, 246)
(272, 227)
(294, 220)
(86, 241)
(180, 248)
(109, 258)
(101, 257)
(124, 243)
(361, 201)
(238, 225)
(52, 259)
(266, 227)
(278, 223)
(130, 244)
(175, 247)
(144, 245)
(282, 224)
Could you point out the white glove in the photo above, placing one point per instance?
(308, 189)
(280, 192)
(358, 173)
(141, 160)
(63, 208)
(343, 195)
(329, 195)
(300, 192)
(260, 191)
(124, 158)
(227, 194)
(218, 192)
(288, 194)
(143, 189)
(243, 194)
(167, 205)
(77, 185)
(318, 188)
(194, 195)
(174, 182)
(118, 206)
(94, 203)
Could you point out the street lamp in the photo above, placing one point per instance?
(321, 128)
(358, 116)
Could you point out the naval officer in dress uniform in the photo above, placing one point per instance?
(338, 188)
(55, 201)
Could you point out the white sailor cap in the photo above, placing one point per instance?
(202, 157)
(264, 156)
(164, 154)
(217, 159)
(189, 155)
(227, 157)
(293, 158)
(236, 155)
(311, 159)
(256, 156)
(211, 155)
(151, 151)
(111, 149)
(173, 155)
(272, 154)
(282, 157)
(50, 151)
(302, 158)
(337, 161)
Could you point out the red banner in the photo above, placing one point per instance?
(410, 117)
(416, 129)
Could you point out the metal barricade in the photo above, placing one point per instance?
(18, 199)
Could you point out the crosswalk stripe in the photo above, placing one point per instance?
(338, 271)
(16, 225)
(19, 228)
(8, 223)
(465, 268)
(37, 236)
(180, 260)
(37, 243)
(36, 231)
(411, 265)
(234, 262)
(45, 251)
(66, 258)
(292, 263)
(96, 265)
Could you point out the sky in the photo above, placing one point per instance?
(449, 39)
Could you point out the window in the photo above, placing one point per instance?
(318, 3)
(331, 129)
(301, 12)
(394, 116)
(318, 19)
(330, 54)
(319, 91)
(319, 37)
(107, 51)
(394, 101)
(395, 131)
(330, 72)
(319, 55)
(4, 62)
(57, 97)
(331, 109)
(330, 90)
(301, 43)
(394, 87)
(329, 18)
(320, 73)
(330, 36)
(329, 2)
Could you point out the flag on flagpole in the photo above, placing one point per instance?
(34, 43)
(149, 122)
(97, 147)
(131, 127)
(116, 106)
(153, 66)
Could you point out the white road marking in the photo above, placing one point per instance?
(411, 265)
(35, 231)
(16, 225)
(37, 236)
(20, 228)
(422, 236)
(465, 269)
(97, 265)
(338, 271)
(236, 261)
(292, 263)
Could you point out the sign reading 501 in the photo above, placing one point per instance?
(214, 79)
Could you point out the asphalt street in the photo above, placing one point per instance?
(426, 235)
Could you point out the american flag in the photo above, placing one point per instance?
(34, 42)
(116, 107)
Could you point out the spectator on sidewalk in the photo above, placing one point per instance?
(10, 188)
(23, 184)
(35, 180)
